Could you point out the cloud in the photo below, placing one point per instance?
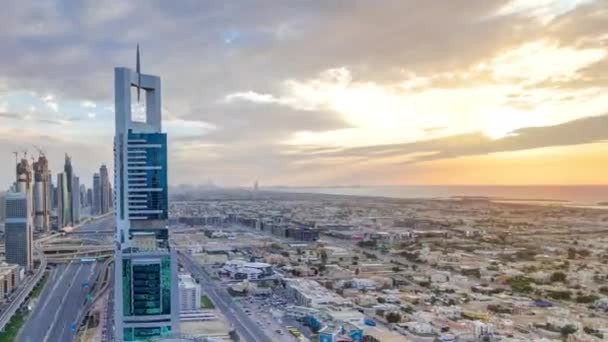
(297, 77)
(543, 10)
(88, 104)
(577, 132)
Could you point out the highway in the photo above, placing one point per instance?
(247, 329)
(23, 290)
(61, 304)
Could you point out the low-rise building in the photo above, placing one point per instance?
(307, 292)
(9, 279)
(189, 293)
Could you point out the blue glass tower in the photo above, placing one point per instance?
(145, 274)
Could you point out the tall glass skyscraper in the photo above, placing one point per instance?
(145, 283)
(18, 235)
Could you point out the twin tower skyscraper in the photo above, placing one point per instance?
(146, 301)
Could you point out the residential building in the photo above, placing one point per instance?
(189, 293)
(9, 278)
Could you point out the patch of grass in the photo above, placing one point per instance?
(38, 289)
(12, 328)
(206, 303)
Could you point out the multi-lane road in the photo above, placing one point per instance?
(56, 312)
(247, 329)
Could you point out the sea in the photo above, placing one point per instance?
(567, 195)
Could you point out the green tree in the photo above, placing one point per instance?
(393, 317)
(586, 299)
(558, 277)
(571, 253)
(567, 330)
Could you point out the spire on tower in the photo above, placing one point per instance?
(138, 70)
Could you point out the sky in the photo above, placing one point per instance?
(307, 93)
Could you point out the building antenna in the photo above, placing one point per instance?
(138, 70)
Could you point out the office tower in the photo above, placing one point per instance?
(68, 171)
(50, 191)
(96, 194)
(63, 201)
(18, 235)
(105, 189)
(110, 196)
(146, 301)
(54, 195)
(83, 196)
(89, 199)
(75, 200)
(2, 206)
(42, 197)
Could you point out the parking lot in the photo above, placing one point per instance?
(268, 313)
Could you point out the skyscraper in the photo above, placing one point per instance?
(146, 301)
(24, 181)
(2, 206)
(42, 196)
(18, 230)
(69, 173)
(75, 200)
(89, 199)
(50, 191)
(105, 189)
(96, 194)
(63, 201)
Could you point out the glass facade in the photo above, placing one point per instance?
(147, 287)
(147, 175)
(146, 290)
(145, 334)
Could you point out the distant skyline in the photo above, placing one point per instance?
(319, 93)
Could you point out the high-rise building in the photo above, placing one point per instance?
(96, 194)
(105, 189)
(2, 206)
(75, 200)
(63, 201)
(89, 199)
(42, 196)
(50, 191)
(69, 174)
(24, 181)
(146, 301)
(83, 196)
(18, 234)
(54, 195)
